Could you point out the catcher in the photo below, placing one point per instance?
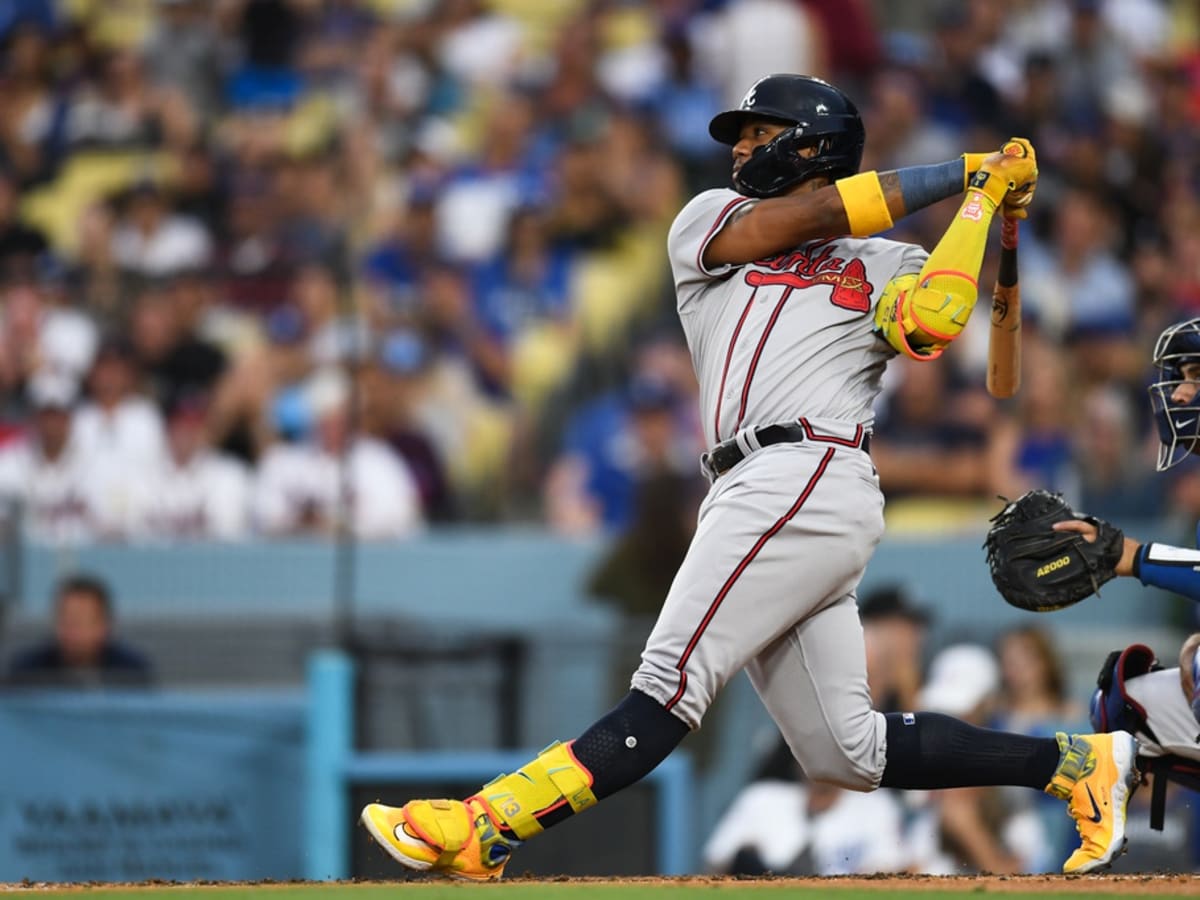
(1044, 556)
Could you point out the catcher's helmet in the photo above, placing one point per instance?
(1178, 422)
(820, 114)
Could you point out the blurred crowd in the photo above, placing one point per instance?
(282, 267)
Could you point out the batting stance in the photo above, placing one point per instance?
(791, 315)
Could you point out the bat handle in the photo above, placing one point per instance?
(1009, 233)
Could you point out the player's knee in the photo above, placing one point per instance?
(844, 772)
(853, 757)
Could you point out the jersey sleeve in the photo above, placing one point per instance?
(1175, 569)
(692, 231)
(912, 260)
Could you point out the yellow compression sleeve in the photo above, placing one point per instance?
(866, 209)
(921, 316)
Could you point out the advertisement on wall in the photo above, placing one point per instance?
(112, 788)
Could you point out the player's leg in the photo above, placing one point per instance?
(1095, 774)
(723, 607)
(473, 838)
(813, 682)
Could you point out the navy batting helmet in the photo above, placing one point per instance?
(820, 116)
(1178, 418)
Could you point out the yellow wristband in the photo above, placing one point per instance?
(972, 163)
(866, 210)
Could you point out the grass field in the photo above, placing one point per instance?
(914, 888)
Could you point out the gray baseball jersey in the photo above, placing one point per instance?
(784, 536)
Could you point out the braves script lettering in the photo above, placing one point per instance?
(815, 264)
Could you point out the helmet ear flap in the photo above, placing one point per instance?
(779, 166)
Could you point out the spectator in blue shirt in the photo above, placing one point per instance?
(83, 651)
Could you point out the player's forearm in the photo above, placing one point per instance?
(913, 188)
(920, 316)
(861, 205)
(763, 228)
(874, 201)
(1170, 568)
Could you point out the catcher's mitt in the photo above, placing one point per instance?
(1037, 568)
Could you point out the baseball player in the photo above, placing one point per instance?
(1161, 705)
(1175, 398)
(791, 314)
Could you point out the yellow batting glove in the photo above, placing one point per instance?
(1013, 169)
(1017, 201)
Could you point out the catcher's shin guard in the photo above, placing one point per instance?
(1096, 775)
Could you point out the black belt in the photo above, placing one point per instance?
(728, 454)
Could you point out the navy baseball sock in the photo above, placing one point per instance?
(623, 747)
(926, 751)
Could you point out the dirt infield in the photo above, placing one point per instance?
(1085, 885)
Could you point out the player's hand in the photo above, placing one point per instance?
(1011, 171)
(1089, 532)
(1079, 526)
(1017, 200)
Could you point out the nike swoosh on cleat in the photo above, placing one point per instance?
(1095, 816)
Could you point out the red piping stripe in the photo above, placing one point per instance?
(737, 573)
(758, 353)
(728, 358)
(855, 441)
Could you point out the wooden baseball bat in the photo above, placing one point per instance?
(1004, 341)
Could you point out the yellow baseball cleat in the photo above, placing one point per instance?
(448, 837)
(1096, 775)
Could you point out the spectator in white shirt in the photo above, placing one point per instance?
(40, 336)
(118, 424)
(152, 240)
(119, 436)
(43, 474)
(335, 477)
(198, 493)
